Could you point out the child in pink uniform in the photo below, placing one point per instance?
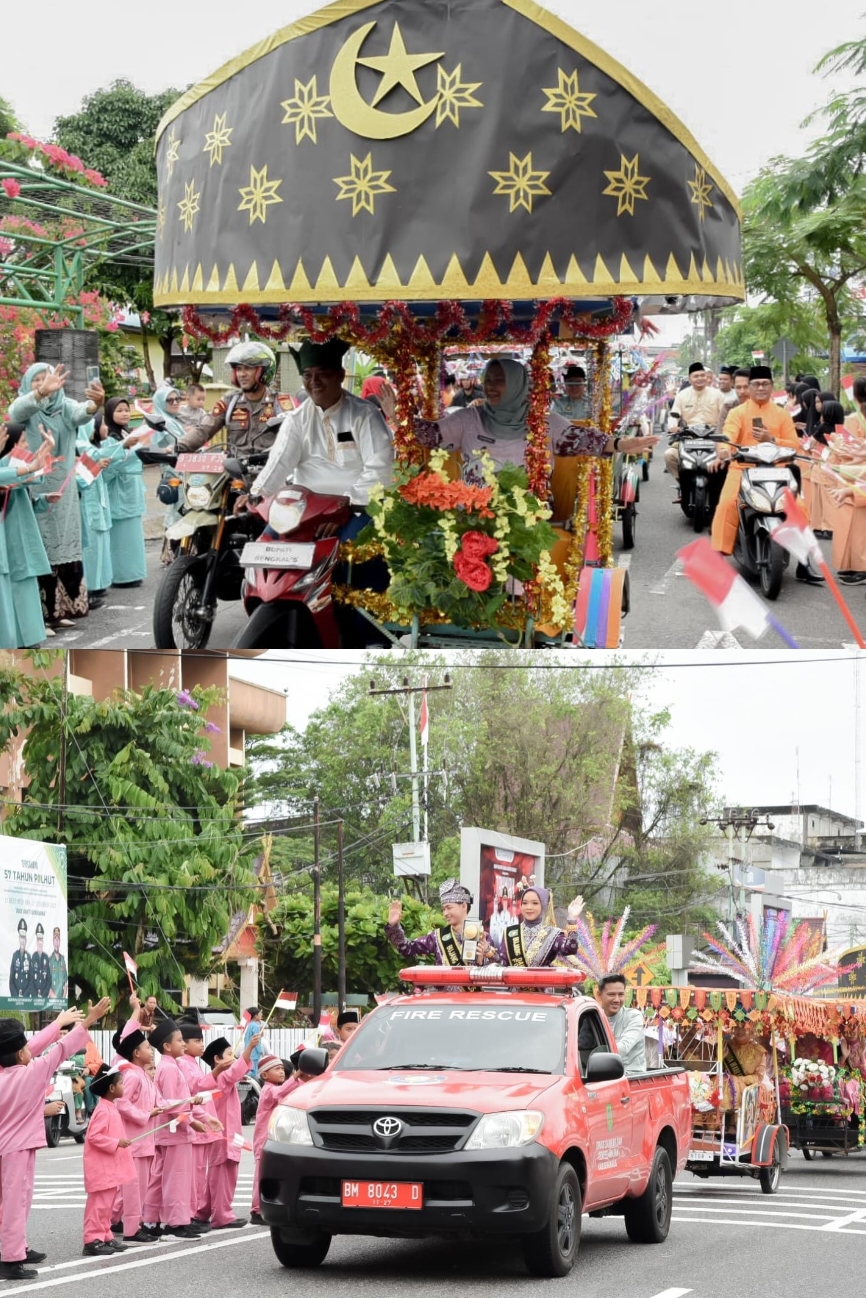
(225, 1157)
(140, 1112)
(207, 1129)
(275, 1088)
(108, 1164)
(23, 1083)
(168, 1193)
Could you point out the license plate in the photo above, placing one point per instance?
(189, 462)
(382, 1194)
(276, 554)
(770, 475)
(701, 1155)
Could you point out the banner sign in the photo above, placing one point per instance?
(33, 925)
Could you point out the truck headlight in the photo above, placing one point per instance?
(290, 1126)
(506, 1130)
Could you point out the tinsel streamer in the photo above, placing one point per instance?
(574, 561)
(538, 463)
(431, 369)
(605, 511)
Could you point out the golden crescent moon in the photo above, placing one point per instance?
(355, 113)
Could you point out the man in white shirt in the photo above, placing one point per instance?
(335, 443)
(697, 404)
(626, 1025)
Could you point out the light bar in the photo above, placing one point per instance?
(490, 975)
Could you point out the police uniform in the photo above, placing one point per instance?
(19, 972)
(40, 970)
(245, 422)
(59, 973)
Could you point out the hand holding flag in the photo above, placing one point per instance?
(131, 970)
(736, 604)
(797, 537)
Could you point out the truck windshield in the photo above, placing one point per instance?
(487, 1039)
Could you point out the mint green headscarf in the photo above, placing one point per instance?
(508, 419)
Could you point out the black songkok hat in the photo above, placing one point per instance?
(104, 1079)
(12, 1038)
(575, 374)
(329, 355)
(192, 1031)
(214, 1048)
(348, 1016)
(128, 1045)
(162, 1031)
(695, 366)
(760, 372)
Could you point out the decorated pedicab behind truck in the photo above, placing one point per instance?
(416, 175)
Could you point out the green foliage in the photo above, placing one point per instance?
(748, 329)
(372, 964)
(8, 118)
(156, 858)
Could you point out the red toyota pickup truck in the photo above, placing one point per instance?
(477, 1108)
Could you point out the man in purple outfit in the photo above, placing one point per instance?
(444, 944)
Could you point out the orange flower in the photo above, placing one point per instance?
(436, 492)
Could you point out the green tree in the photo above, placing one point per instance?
(747, 329)
(8, 119)
(157, 863)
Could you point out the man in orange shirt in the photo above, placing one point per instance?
(758, 419)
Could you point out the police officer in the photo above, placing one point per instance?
(19, 973)
(59, 975)
(246, 414)
(40, 968)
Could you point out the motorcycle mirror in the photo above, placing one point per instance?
(233, 466)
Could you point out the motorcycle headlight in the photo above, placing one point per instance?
(290, 1126)
(198, 497)
(506, 1130)
(284, 517)
(760, 501)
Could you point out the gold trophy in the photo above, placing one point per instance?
(472, 934)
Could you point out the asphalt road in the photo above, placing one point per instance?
(667, 611)
(727, 1238)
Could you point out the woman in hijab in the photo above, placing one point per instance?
(42, 404)
(821, 506)
(126, 498)
(499, 426)
(95, 444)
(536, 941)
(22, 555)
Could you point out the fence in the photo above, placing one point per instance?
(276, 1041)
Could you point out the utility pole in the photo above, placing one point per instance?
(737, 824)
(317, 919)
(341, 924)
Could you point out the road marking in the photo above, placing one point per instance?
(673, 1293)
(718, 640)
(118, 635)
(675, 570)
(241, 1237)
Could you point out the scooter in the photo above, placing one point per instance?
(626, 495)
(699, 489)
(289, 577)
(766, 475)
(73, 1119)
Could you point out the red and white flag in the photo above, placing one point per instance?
(88, 470)
(239, 1142)
(425, 719)
(21, 456)
(286, 1000)
(736, 604)
(795, 535)
(246, 1018)
(131, 966)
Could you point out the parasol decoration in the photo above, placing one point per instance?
(602, 951)
(778, 957)
(428, 151)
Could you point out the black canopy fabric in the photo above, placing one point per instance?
(434, 149)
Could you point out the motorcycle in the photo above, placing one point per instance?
(67, 1086)
(289, 577)
(767, 474)
(626, 494)
(249, 1094)
(209, 540)
(699, 489)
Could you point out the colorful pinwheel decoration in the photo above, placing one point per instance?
(775, 959)
(605, 952)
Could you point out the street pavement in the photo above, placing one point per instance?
(726, 1238)
(667, 612)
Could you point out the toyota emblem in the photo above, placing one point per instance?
(387, 1128)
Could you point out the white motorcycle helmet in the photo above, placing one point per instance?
(253, 353)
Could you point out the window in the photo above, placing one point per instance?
(591, 1036)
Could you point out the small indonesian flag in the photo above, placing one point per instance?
(795, 535)
(239, 1142)
(131, 966)
(848, 382)
(286, 1000)
(87, 470)
(425, 720)
(21, 456)
(246, 1018)
(736, 604)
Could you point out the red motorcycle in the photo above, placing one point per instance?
(289, 576)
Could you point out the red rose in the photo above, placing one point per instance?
(478, 547)
(475, 575)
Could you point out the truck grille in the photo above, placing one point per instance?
(423, 1131)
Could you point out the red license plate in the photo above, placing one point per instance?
(382, 1194)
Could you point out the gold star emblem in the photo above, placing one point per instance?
(306, 107)
(363, 185)
(859, 962)
(259, 195)
(568, 99)
(521, 182)
(160, 218)
(701, 191)
(398, 68)
(218, 139)
(627, 184)
(188, 206)
(454, 94)
(172, 152)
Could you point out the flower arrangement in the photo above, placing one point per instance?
(813, 1079)
(461, 551)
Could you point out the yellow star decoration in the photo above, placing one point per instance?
(454, 94)
(363, 185)
(218, 139)
(520, 182)
(568, 99)
(398, 68)
(259, 195)
(189, 205)
(701, 191)
(303, 111)
(859, 962)
(160, 218)
(172, 152)
(627, 184)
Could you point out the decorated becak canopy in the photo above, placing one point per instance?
(435, 150)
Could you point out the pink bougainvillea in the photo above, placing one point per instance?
(11, 188)
(24, 148)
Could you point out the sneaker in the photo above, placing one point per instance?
(33, 1256)
(97, 1248)
(50, 633)
(233, 1225)
(181, 1232)
(115, 1246)
(17, 1271)
(256, 1219)
(152, 1232)
(201, 1224)
(141, 1236)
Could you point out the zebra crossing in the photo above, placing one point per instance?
(797, 1206)
(65, 1190)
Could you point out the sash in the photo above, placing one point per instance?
(732, 1063)
(529, 948)
(514, 946)
(450, 952)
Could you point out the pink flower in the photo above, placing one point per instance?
(145, 317)
(10, 187)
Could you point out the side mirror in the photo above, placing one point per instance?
(314, 1061)
(603, 1067)
(233, 466)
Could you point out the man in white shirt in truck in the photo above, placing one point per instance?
(627, 1026)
